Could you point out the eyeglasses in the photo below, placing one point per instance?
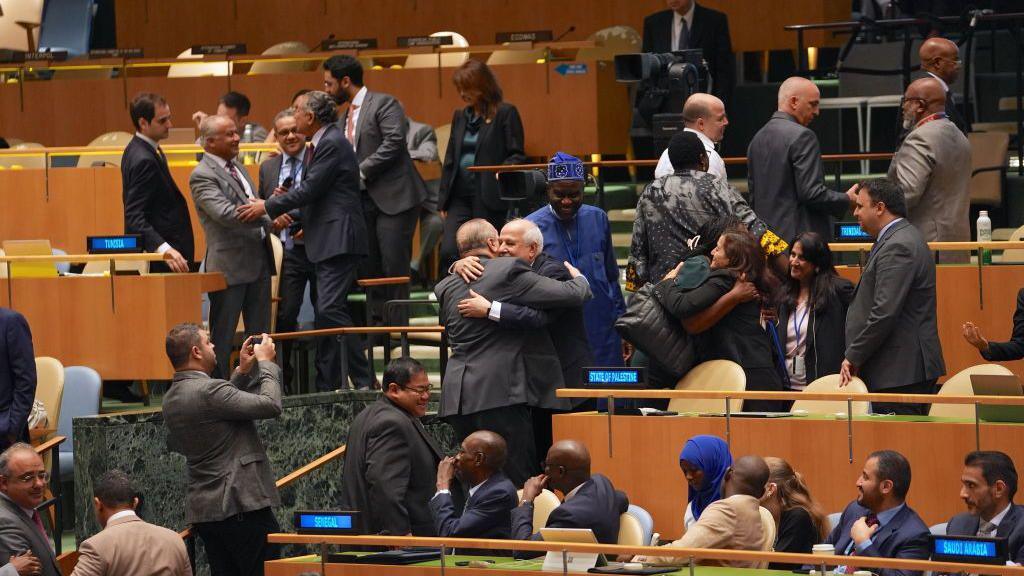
(31, 476)
(906, 99)
(286, 133)
(420, 390)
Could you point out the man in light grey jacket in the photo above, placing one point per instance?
(238, 250)
(933, 167)
(212, 423)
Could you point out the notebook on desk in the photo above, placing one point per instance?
(998, 385)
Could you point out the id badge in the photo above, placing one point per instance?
(797, 367)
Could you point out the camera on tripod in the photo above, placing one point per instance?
(664, 82)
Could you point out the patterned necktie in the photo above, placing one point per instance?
(986, 528)
(234, 174)
(293, 168)
(350, 124)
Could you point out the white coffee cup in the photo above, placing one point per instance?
(823, 550)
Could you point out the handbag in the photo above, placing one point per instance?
(651, 329)
(37, 418)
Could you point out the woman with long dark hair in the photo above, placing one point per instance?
(812, 313)
(488, 131)
(800, 519)
(738, 336)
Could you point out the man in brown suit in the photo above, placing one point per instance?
(732, 523)
(127, 546)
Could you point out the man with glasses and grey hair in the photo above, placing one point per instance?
(23, 540)
(391, 459)
(334, 231)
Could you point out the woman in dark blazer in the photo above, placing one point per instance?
(812, 315)
(738, 335)
(487, 132)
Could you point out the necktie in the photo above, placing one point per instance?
(309, 156)
(684, 37)
(39, 524)
(293, 169)
(234, 174)
(350, 124)
(986, 528)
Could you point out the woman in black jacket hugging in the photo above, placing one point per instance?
(812, 314)
(738, 335)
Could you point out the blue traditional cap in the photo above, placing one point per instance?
(564, 166)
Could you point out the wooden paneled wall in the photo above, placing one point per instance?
(165, 28)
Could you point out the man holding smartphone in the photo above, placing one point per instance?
(212, 422)
(285, 171)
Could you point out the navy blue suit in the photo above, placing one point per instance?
(17, 377)
(488, 512)
(597, 505)
(905, 536)
(1011, 527)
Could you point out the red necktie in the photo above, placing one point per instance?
(350, 124)
(39, 524)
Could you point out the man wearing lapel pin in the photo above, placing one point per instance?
(892, 338)
(239, 250)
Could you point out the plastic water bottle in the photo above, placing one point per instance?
(985, 235)
(246, 138)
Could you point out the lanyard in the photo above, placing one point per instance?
(562, 235)
(935, 116)
(797, 322)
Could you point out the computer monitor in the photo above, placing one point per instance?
(30, 248)
(998, 385)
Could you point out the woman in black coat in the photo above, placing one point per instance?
(738, 335)
(812, 315)
(486, 132)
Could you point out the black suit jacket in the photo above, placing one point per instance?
(1014, 348)
(825, 345)
(1011, 528)
(390, 471)
(710, 33)
(597, 505)
(905, 536)
(17, 377)
(488, 512)
(153, 204)
(329, 196)
(568, 334)
(392, 181)
(500, 142)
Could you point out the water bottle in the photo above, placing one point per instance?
(985, 235)
(246, 138)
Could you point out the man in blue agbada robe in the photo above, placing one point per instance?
(579, 234)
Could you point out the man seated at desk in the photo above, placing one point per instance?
(590, 500)
(988, 483)
(732, 523)
(879, 523)
(492, 496)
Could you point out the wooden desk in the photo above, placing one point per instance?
(115, 327)
(644, 461)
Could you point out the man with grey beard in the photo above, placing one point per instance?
(933, 167)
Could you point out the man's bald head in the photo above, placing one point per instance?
(705, 114)
(748, 475)
(923, 98)
(477, 237)
(799, 97)
(567, 465)
(491, 445)
(940, 57)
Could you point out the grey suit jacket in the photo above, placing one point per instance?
(933, 166)
(787, 181)
(891, 331)
(211, 423)
(19, 533)
(421, 141)
(391, 178)
(490, 366)
(233, 248)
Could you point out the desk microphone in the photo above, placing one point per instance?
(562, 35)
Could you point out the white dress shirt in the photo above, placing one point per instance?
(354, 110)
(446, 491)
(716, 166)
(121, 514)
(677, 24)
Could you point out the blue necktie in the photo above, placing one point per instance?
(286, 237)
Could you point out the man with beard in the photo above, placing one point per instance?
(879, 523)
(933, 167)
(491, 497)
(391, 189)
(987, 486)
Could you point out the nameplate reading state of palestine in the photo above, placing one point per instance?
(614, 377)
(357, 44)
(414, 41)
(204, 49)
(528, 36)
